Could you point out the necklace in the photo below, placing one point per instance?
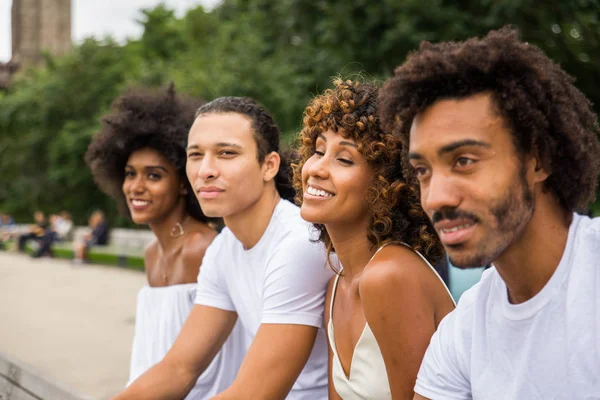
(177, 230)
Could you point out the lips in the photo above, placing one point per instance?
(139, 204)
(210, 192)
(455, 231)
(314, 192)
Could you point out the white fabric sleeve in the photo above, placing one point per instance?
(212, 288)
(444, 370)
(295, 283)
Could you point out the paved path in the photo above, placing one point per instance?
(73, 324)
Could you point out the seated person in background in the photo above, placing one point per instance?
(36, 231)
(138, 158)
(387, 300)
(505, 149)
(98, 236)
(61, 229)
(7, 224)
(263, 268)
(6, 220)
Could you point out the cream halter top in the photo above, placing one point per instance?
(367, 378)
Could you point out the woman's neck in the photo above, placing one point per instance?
(352, 247)
(163, 229)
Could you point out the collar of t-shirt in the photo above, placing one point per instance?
(529, 308)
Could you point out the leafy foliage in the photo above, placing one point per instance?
(280, 52)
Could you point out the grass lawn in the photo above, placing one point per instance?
(96, 255)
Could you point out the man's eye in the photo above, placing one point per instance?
(420, 171)
(464, 161)
(194, 154)
(228, 153)
(319, 153)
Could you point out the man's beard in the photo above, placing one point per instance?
(509, 216)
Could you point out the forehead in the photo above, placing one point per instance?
(211, 129)
(148, 156)
(331, 136)
(451, 120)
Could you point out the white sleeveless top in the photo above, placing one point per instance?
(367, 378)
(161, 313)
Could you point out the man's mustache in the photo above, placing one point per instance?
(451, 214)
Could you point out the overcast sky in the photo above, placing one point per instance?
(99, 18)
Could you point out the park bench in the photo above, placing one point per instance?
(125, 247)
(21, 382)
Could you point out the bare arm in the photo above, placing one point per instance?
(192, 352)
(400, 315)
(273, 362)
(419, 397)
(333, 395)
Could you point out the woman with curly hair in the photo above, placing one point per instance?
(386, 300)
(139, 159)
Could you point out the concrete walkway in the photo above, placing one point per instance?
(73, 324)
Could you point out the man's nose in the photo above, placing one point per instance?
(441, 192)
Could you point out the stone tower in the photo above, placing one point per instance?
(38, 26)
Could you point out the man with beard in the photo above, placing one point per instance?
(505, 150)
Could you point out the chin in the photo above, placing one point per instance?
(139, 220)
(310, 216)
(468, 259)
(211, 211)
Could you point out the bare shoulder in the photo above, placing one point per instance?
(392, 266)
(399, 274)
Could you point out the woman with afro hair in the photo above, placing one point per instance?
(387, 300)
(138, 158)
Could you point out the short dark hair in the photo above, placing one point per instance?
(265, 133)
(142, 118)
(546, 113)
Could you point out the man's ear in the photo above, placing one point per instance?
(270, 165)
(536, 168)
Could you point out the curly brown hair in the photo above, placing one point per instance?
(350, 110)
(546, 113)
(143, 118)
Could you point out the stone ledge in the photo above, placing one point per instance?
(21, 382)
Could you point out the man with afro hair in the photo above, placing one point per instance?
(504, 150)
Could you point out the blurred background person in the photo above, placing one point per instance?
(139, 159)
(36, 231)
(7, 225)
(60, 230)
(97, 236)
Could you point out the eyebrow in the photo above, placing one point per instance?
(220, 144)
(343, 142)
(147, 167)
(449, 148)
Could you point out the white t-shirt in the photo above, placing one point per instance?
(545, 348)
(281, 280)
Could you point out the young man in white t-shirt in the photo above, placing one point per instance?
(504, 150)
(263, 268)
